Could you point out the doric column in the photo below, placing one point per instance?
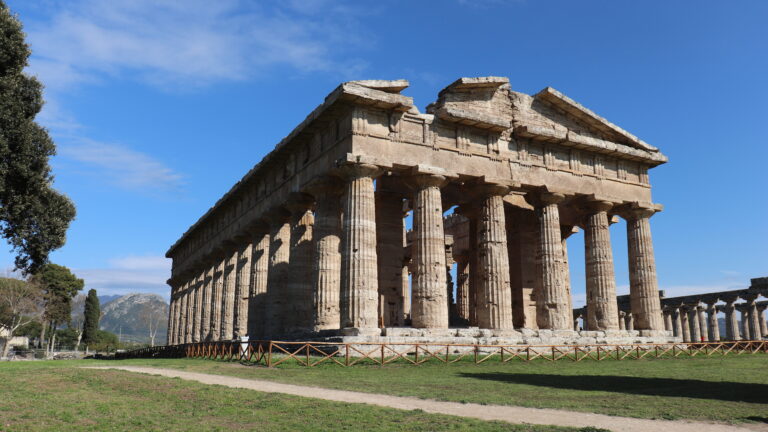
(601, 282)
(389, 248)
(198, 306)
(763, 323)
(429, 302)
(462, 288)
(171, 318)
(703, 328)
(228, 295)
(359, 275)
(205, 317)
(182, 313)
(189, 316)
(754, 319)
(278, 273)
(745, 333)
(643, 286)
(678, 323)
(216, 298)
(494, 295)
(242, 288)
(713, 327)
(258, 300)
(471, 212)
(668, 320)
(630, 318)
(731, 321)
(693, 322)
(552, 302)
(622, 321)
(300, 318)
(327, 262)
(685, 323)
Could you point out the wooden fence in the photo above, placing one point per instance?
(309, 354)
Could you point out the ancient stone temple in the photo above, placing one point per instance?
(312, 242)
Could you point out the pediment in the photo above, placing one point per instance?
(551, 109)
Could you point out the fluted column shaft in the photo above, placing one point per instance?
(494, 295)
(429, 301)
(601, 281)
(731, 322)
(703, 328)
(182, 313)
(327, 263)
(359, 274)
(390, 252)
(754, 320)
(630, 321)
(300, 319)
(227, 304)
(189, 316)
(713, 326)
(257, 301)
(242, 290)
(622, 321)
(693, 321)
(763, 323)
(643, 285)
(205, 317)
(678, 323)
(745, 330)
(667, 320)
(198, 307)
(171, 319)
(462, 289)
(277, 283)
(685, 323)
(551, 301)
(216, 298)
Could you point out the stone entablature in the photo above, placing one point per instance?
(524, 171)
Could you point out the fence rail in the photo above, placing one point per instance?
(310, 354)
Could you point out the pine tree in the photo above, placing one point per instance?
(34, 217)
(91, 321)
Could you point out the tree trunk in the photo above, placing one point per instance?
(6, 347)
(79, 338)
(42, 334)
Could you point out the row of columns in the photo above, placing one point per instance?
(694, 323)
(302, 271)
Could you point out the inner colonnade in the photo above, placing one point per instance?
(312, 242)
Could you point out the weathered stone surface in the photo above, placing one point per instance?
(602, 310)
(327, 264)
(242, 289)
(643, 286)
(258, 298)
(275, 316)
(552, 303)
(429, 302)
(494, 296)
(299, 306)
(359, 284)
(390, 244)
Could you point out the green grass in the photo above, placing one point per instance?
(728, 389)
(54, 396)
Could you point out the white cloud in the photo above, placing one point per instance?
(195, 42)
(130, 274)
(124, 167)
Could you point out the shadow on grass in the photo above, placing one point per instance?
(670, 387)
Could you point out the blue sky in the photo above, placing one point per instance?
(159, 106)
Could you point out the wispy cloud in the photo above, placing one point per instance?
(129, 274)
(195, 42)
(123, 167)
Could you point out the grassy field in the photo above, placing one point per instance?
(55, 396)
(727, 389)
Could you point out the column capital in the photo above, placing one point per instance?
(355, 170)
(543, 199)
(638, 210)
(299, 203)
(258, 228)
(277, 215)
(598, 205)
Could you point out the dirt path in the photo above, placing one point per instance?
(510, 414)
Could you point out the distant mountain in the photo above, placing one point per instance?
(108, 298)
(131, 316)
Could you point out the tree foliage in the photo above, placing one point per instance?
(20, 304)
(33, 216)
(91, 322)
(60, 286)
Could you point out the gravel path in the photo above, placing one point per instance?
(510, 414)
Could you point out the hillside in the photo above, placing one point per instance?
(131, 316)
